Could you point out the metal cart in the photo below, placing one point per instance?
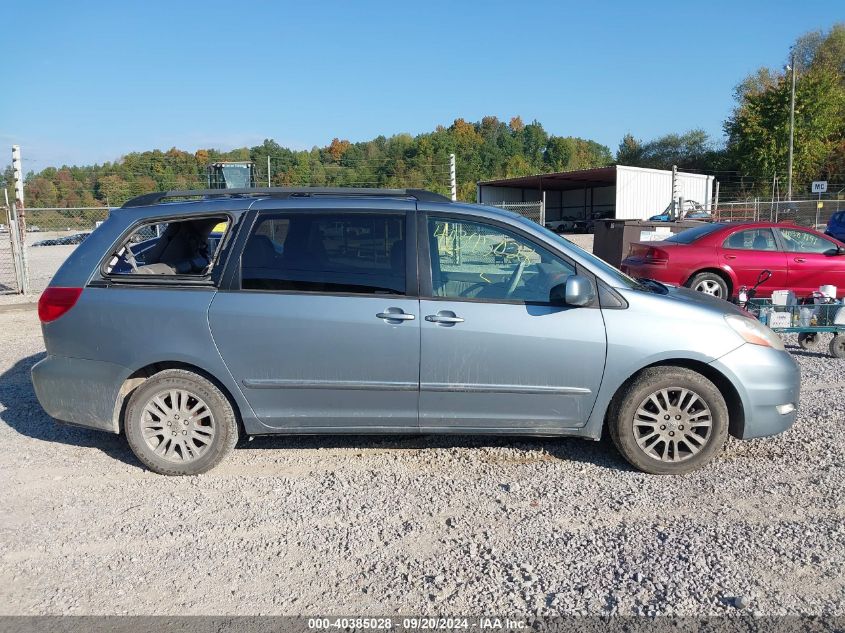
(807, 320)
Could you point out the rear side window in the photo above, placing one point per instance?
(359, 253)
(690, 235)
(752, 240)
(178, 247)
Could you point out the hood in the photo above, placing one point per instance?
(692, 297)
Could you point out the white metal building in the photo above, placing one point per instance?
(630, 193)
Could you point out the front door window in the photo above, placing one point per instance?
(798, 241)
(470, 260)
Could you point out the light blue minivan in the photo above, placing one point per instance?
(191, 319)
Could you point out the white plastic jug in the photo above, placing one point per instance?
(828, 291)
(805, 315)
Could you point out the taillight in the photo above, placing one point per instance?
(656, 255)
(54, 302)
(637, 250)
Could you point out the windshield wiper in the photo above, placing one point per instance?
(652, 285)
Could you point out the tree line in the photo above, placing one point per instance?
(756, 146)
(486, 149)
(753, 152)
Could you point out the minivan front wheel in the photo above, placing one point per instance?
(179, 423)
(669, 420)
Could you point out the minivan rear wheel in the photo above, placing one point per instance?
(179, 423)
(668, 420)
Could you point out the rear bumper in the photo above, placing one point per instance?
(79, 391)
(768, 381)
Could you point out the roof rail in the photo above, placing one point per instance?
(283, 192)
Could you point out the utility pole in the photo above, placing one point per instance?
(675, 186)
(716, 198)
(268, 171)
(791, 128)
(17, 171)
(18, 175)
(453, 180)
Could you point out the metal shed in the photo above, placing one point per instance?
(581, 197)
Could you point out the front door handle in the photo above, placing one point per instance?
(395, 314)
(444, 317)
(800, 260)
(730, 256)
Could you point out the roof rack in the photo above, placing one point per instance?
(283, 192)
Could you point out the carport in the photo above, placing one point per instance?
(577, 198)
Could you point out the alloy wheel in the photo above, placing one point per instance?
(177, 425)
(672, 425)
(709, 287)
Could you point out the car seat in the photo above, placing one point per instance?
(182, 249)
(259, 253)
(760, 243)
(304, 248)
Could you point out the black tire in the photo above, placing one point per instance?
(837, 346)
(633, 398)
(809, 341)
(184, 453)
(702, 282)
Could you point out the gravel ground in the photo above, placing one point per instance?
(409, 525)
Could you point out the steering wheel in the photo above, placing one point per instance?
(515, 277)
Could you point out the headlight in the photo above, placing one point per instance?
(754, 332)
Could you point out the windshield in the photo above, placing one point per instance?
(690, 235)
(620, 279)
(236, 176)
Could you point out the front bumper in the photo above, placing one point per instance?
(79, 391)
(766, 380)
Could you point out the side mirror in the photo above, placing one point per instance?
(576, 291)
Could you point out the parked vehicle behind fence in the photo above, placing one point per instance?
(326, 311)
(692, 210)
(836, 226)
(718, 259)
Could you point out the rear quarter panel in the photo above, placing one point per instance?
(684, 260)
(133, 327)
(687, 259)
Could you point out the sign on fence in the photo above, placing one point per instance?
(820, 186)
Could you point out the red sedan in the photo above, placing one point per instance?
(720, 258)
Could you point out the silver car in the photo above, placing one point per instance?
(189, 320)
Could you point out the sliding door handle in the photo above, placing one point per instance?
(443, 318)
(395, 316)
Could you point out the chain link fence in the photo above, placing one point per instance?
(534, 211)
(51, 235)
(803, 212)
(9, 262)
